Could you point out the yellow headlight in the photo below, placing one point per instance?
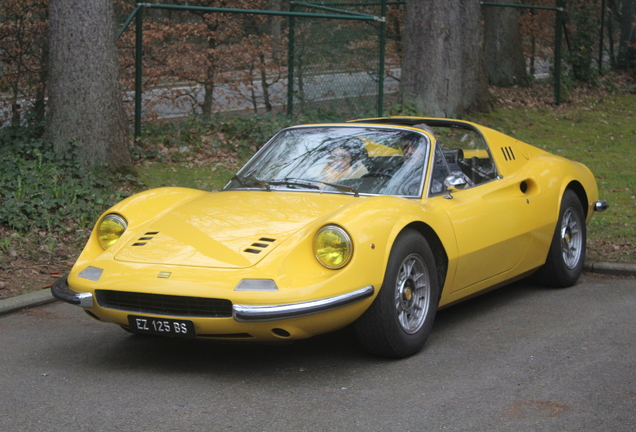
(110, 228)
(332, 247)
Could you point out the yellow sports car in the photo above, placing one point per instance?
(375, 223)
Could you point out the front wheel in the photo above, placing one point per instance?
(400, 319)
(566, 257)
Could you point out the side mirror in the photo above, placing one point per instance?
(453, 183)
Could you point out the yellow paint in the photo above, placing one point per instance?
(490, 233)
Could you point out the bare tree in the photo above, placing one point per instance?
(443, 68)
(23, 57)
(85, 101)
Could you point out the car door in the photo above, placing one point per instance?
(491, 216)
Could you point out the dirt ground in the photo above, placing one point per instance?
(33, 262)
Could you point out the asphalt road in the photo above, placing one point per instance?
(517, 359)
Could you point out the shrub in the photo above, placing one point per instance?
(42, 190)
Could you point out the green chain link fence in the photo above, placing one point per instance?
(314, 56)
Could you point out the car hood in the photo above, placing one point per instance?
(227, 229)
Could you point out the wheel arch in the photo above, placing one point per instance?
(580, 192)
(439, 252)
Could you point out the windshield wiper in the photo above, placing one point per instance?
(309, 183)
(305, 183)
(243, 180)
(343, 188)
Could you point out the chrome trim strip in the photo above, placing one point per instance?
(61, 291)
(249, 313)
(601, 205)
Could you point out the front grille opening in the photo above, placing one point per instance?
(160, 304)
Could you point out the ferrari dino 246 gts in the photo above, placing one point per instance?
(375, 223)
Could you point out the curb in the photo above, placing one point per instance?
(618, 269)
(33, 299)
(38, 298)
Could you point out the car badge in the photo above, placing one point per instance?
(164, 275)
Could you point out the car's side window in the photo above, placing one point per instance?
(466, 154)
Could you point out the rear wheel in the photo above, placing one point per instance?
(566, 257)
(400, 319)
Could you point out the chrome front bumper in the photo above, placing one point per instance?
(601, 205)
(241, 313)
(248, 313)
(61, 291)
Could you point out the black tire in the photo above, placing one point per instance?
(566, 257)
(401, 317)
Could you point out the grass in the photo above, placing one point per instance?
(600, 132)
(207, 177)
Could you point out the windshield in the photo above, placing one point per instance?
(347, 159)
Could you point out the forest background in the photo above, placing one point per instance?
(218, 82)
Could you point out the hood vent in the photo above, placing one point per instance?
(509, 155)
(146, 238)
(257, 247)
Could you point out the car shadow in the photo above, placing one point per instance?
(119, 349)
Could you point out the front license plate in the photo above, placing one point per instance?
(161, 326)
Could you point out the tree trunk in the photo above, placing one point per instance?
(264, 84)
(627, 42)
(503, 46)
(443, 68)
(208, 95)
(85, 100)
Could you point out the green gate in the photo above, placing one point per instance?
(343, 68)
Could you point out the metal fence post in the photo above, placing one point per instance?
(382, 54)
(557, 51)
(600, 41)
(290, 65)
(138, 69)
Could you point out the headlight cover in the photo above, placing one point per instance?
(110, 229)
(332, 247)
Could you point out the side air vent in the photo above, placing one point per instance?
(509, 155)
(257, 247)
(141, 241)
